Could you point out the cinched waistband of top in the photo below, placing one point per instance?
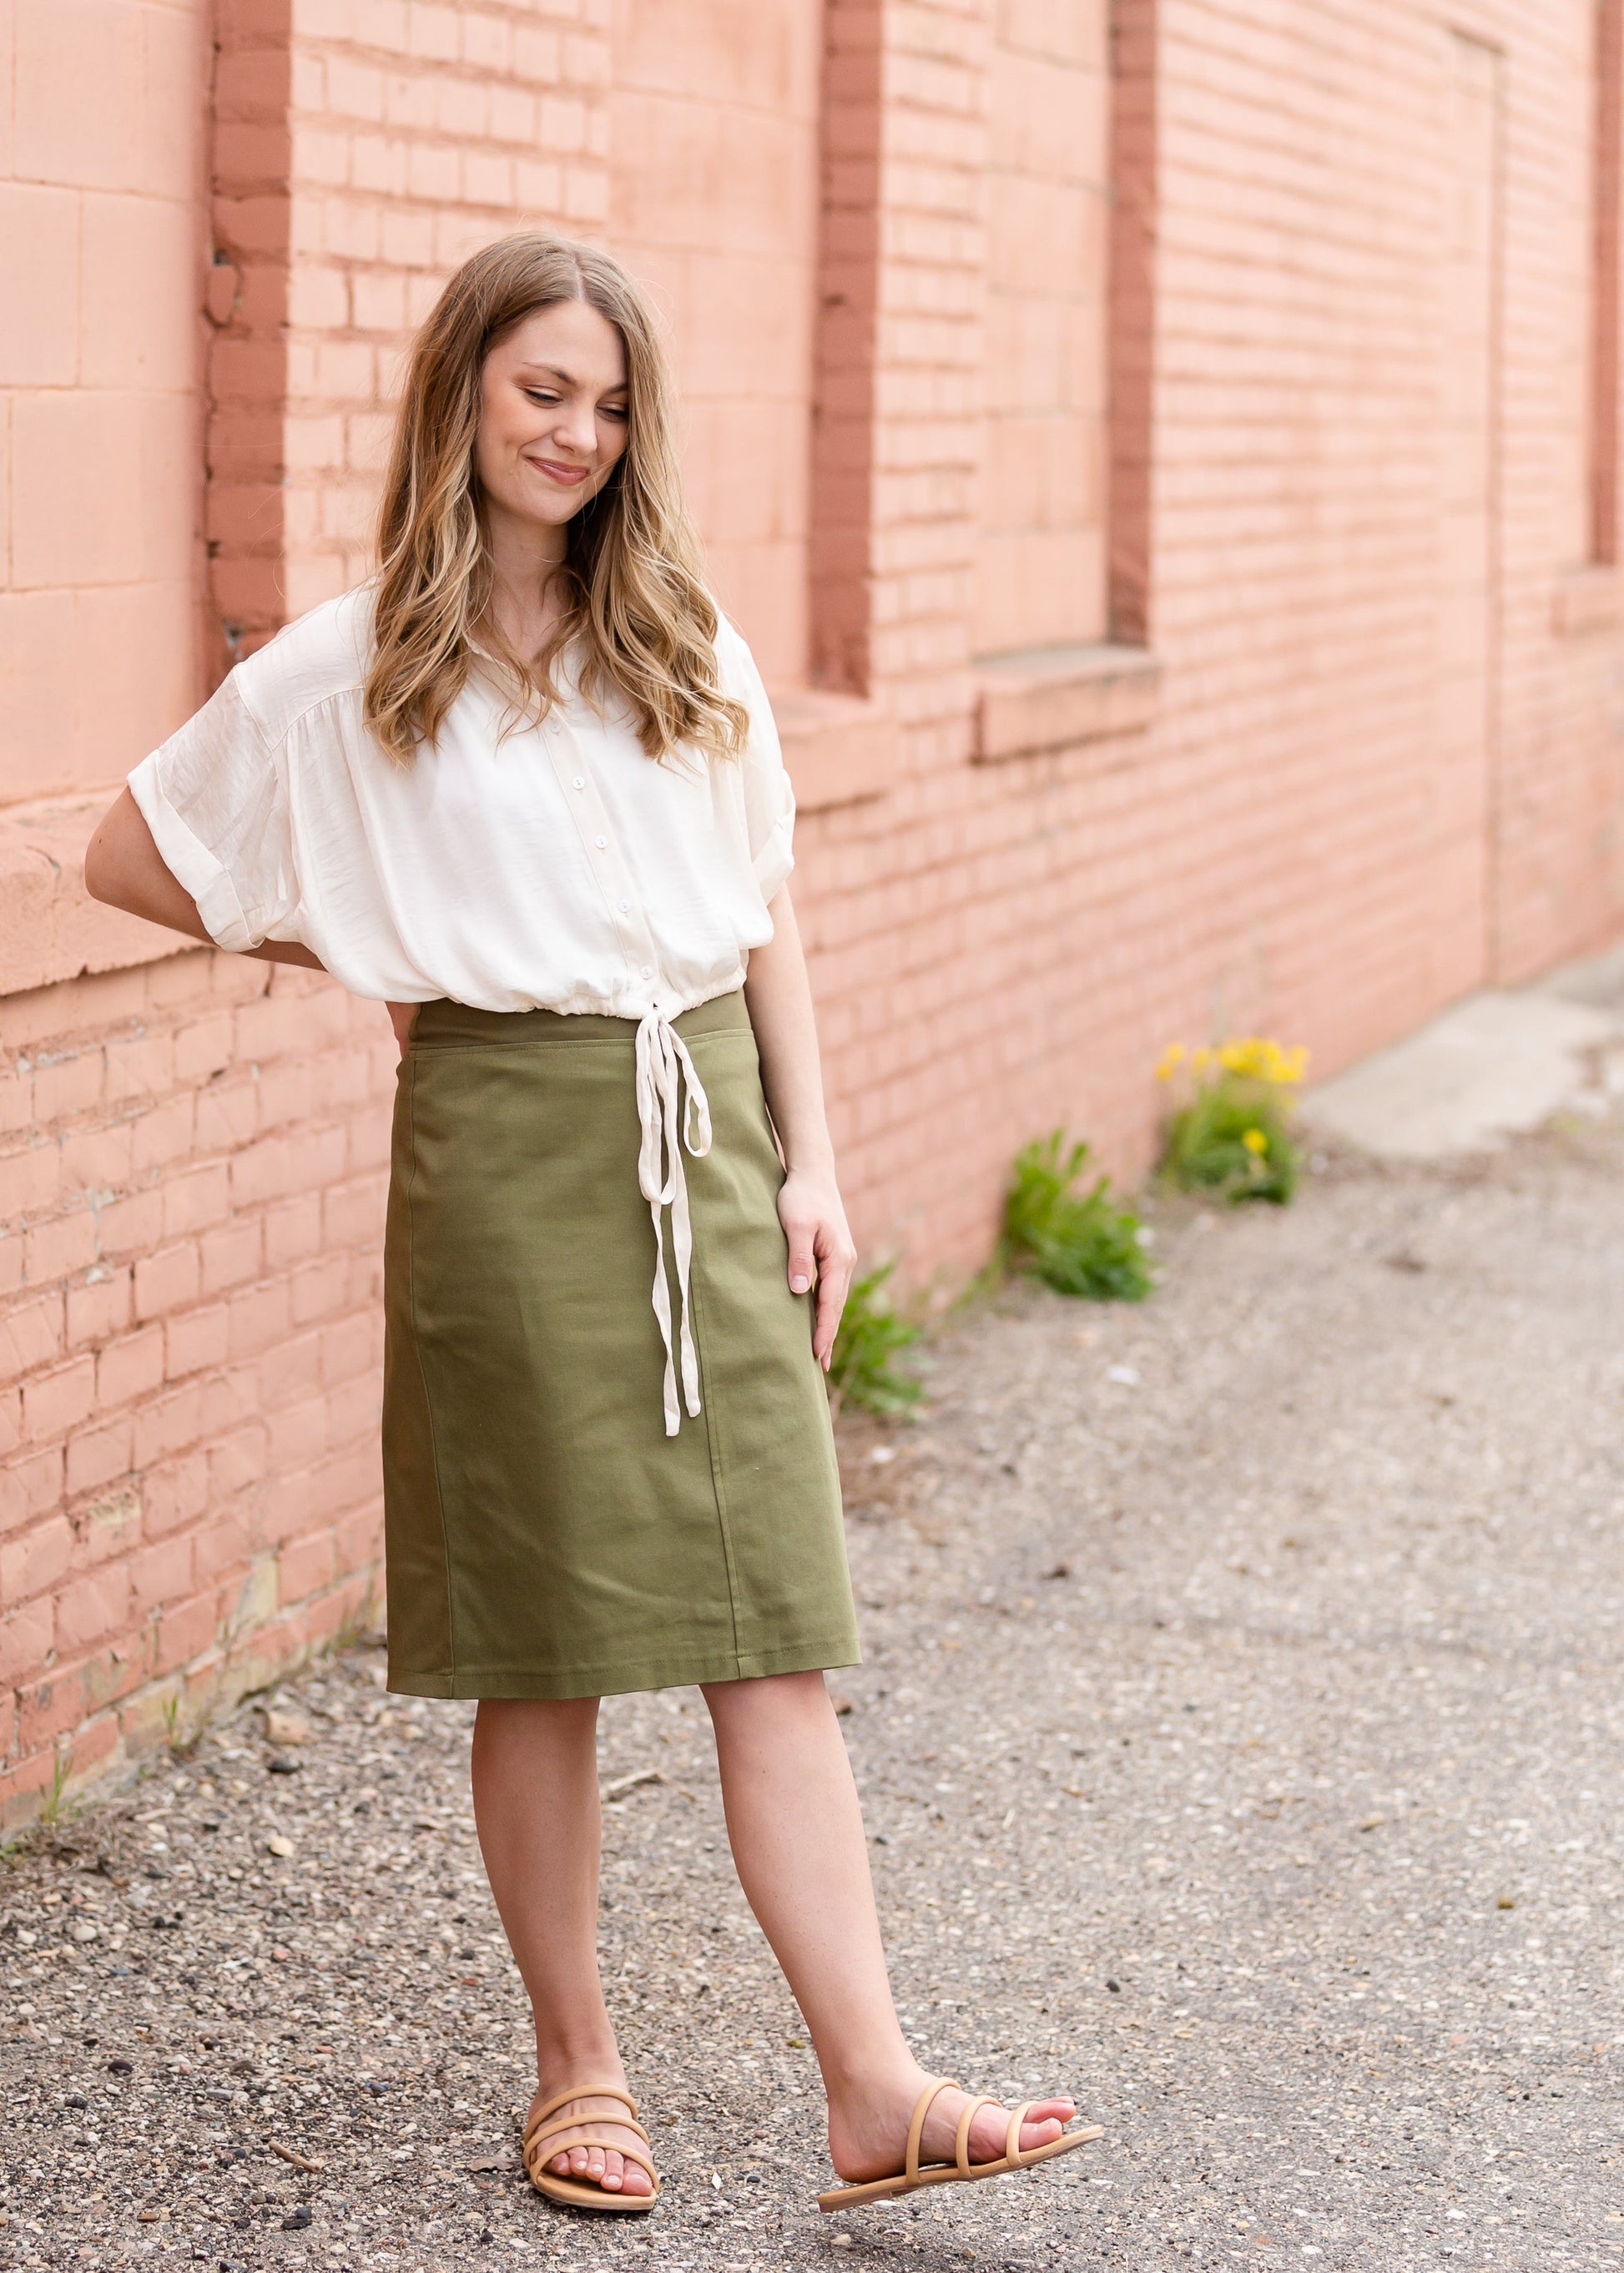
(442, 1024)
(673, 1116)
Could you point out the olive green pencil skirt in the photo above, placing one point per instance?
(544, 1537)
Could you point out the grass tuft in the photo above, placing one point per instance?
(1083, 1244)
(870, 1338)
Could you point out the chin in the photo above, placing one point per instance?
(553, 507)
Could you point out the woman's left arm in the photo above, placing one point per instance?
(780, 999)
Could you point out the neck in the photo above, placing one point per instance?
(524, 556)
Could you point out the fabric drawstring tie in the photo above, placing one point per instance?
(668, 1122)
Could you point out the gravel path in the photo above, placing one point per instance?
(1239, 1736)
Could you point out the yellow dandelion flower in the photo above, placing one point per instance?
(1255, 1142)
(1171, 1059)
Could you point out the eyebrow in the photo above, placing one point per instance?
(568, 378)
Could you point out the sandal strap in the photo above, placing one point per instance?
(1012, 2140)
(917, 2124)
(973, 2108)
(583, 2092)
(579, 2123)
(609, 2146)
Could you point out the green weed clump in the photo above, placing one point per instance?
(1085, 1243)
(871, 1336)
(1231, 1134)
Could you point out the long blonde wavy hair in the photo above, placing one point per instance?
(632, 589)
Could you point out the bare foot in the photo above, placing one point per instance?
(596, 2118)
(868, 2137)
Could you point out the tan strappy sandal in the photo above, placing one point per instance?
(586, 2193)
(910, 2177)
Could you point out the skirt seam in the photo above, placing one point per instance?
(428, 1402)
(713, 1449)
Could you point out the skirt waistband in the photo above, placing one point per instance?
(444, 1024)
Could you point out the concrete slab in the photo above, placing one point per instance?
(1498, 1063)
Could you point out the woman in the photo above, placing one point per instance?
(525, 787)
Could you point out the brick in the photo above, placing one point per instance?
(159, 1575)
(166, 1132)
(174, 1493)
(129, 1228)
(100, 1306)
(100, 1456)
(195, 1198)
(68, 1244)
(231, 1254)
(296, 1434)
(31, 1483)
(31, 1334)
(167, 1280)
(139, 1067)
(92, 1608)
(305, 1565)
(36, 1561)
(30, 1182)
(194, 1340)
(168, 1424)
(128, 1369)
(109, 1527)
(278, 1166)
(26, 1638)
(257, 1316)
(183, 1629)
(66, 1086)
(57, 1401)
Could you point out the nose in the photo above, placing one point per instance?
(577, 428)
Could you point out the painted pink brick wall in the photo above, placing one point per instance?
(416, 134)
(1041, 554)
(189, 1352)
(192, 1154)
(718, 215)
(100, 167)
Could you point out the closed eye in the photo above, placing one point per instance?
(604, 410)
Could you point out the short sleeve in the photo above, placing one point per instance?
(769, 799)
(215, 798)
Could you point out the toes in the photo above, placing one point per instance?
(1043, 2123)
(635, 2180)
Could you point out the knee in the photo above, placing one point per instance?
(526, 1721)
(780, 1698)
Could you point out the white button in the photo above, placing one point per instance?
(600, 841)
(625, 906)
(647, 971)
(580, 781)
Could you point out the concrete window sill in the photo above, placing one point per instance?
(1050, 698)
(50, 928)
(1586, 599)
(840, 749)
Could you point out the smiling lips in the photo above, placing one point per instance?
(567, 476)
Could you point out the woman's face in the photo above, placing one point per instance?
(553, 413)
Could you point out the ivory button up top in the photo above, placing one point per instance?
(554, 867)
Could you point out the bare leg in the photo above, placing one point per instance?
(797, 1836)
(535, 1774)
